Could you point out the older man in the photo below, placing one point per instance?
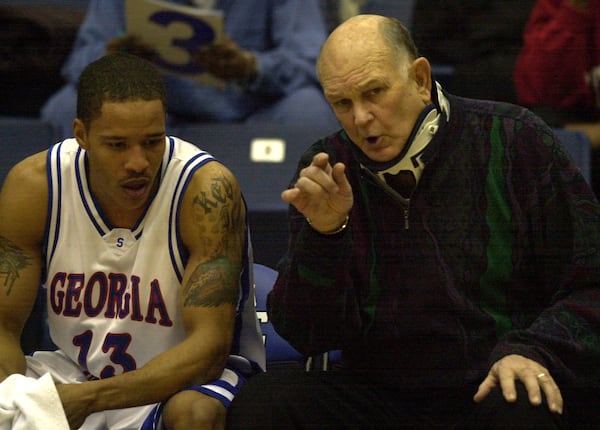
(447, 246)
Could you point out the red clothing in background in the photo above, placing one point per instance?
(559, 65)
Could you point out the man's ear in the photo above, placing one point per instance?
(80, 133)
(422, 75)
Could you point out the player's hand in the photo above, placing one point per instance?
(75, 411)
(535, 377)
(133, 45)
(226, 60)
(322, 193)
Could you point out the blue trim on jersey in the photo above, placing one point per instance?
(185, 177)
(81, 180)
(169, 155)
(233, 390)
(226, 402)
(153, 419)
(100, 221)
(245, 289)
(54, 151)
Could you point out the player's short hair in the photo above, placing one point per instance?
(117, 77)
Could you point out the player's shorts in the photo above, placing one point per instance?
(148, 417)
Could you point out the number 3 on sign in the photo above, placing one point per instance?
(176, 32)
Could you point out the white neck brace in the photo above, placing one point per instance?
(427, 129)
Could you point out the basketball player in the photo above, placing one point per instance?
(141, 242)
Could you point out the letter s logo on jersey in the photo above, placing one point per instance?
(120, 242)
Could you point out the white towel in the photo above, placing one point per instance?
(31, 404)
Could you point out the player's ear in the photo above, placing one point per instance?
(80, 133)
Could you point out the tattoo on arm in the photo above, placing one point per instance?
(218, 213)
(218, 216)
(12, 260)
(212, 284)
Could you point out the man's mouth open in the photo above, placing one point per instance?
(372, 140)
(136, 189)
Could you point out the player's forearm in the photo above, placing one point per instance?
(160, 378)
(12, 359)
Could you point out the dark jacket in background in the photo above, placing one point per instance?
(481, 39)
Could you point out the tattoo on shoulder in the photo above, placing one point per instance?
(12, 260)
(218, 211)
(212, 284)
(212, 202)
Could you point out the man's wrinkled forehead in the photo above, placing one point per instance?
(351, 45)
(359, 63)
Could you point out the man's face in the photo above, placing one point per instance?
(125, 147)
(376, 97)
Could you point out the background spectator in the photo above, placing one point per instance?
(557, 74)
(281, 38)
(480, 39)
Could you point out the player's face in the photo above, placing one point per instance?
(376, 99)
(125, 147)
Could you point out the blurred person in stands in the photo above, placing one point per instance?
(557, 74)
(480, 40)
(267, 60)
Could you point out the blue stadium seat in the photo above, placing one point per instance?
(263, 157)
(278, 350)
(578, 146)
(19, 138)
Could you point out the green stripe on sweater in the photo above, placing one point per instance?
(498, 217)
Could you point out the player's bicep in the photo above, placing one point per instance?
(19, 282)
(211, 284)
(23, 204)
(213, 231)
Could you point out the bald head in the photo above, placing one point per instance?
(363, 36)
(375, 83)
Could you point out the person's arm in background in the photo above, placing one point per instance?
(557, 56)
(104, 21)
(286, 51)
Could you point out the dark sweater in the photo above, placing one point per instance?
(497, 253)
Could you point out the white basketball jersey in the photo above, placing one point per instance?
(113, 293)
